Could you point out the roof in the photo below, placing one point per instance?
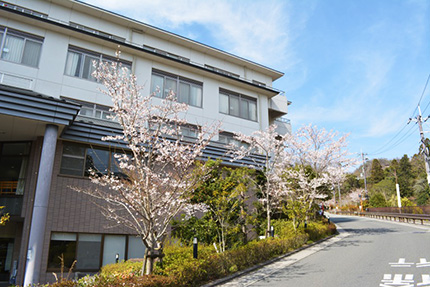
(31, 105)
(166, 35)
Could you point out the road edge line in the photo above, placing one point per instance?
(261, 265)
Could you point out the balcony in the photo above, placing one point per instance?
(283, 125)
(278, 106)
(8, 187)
(9, 198)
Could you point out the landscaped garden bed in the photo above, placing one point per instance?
(179, 268)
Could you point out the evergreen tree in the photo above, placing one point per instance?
(386, 187)
(418, 166)
(376, 172)
(351, 183)
(421, 191)
(224, 193)
(404, 177)
(377, 200)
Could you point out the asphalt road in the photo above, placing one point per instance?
(367, 253)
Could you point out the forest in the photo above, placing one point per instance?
(379, 177)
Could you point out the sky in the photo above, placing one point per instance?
(358, 67)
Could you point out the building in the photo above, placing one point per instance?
(52, 118)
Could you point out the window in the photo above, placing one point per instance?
(91, 251)
(63, 245)
(88, 252)
(79, 63)
(20, 47)
(228, 138)
(186, 90)
(92, 110)
(189, 131)
(237, 105)
(78, 160)
(73, 160)
(97, 160)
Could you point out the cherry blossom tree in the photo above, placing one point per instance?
(271, 146)
(158, 169)
(320, 158)
(355, 195)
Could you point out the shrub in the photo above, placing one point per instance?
(194, 272)
(179, 268)
(284, 228)
(127, 267)
(319, 230)
(114, 280)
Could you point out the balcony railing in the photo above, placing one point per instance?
(8, 187)
(283, 125)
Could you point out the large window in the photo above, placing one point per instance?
(186, 90)
(91, 251)
(20, 47)
(237, 105)
(80, 63)
(80, 160)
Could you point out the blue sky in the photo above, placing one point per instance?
(352, 66)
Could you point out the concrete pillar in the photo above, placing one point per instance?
(40, 209)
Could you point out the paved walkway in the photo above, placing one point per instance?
(260, 274)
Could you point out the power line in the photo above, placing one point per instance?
(386, 147)
(422, 95)
(392, 139)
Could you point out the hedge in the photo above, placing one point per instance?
(180, 269)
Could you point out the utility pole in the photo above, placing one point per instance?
(425, 151)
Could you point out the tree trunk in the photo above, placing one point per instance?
(243, 219)
(153, 254)
(143, 270)
(149, 263)
(222, 238)
(268, 216)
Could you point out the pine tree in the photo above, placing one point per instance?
(376, 172)
(404, 175)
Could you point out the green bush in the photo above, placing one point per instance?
(179, 268)
(194, 272)
(116, 280)
(127, 267)
(285, 228)
(315, 230)
(319, 230)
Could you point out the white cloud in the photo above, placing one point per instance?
(256, 30)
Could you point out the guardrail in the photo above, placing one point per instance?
(400, 217)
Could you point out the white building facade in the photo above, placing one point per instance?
(52, 118)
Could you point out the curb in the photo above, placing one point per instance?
(260, 265)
